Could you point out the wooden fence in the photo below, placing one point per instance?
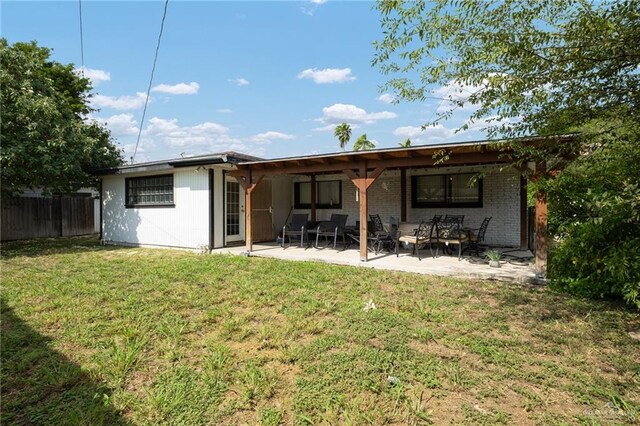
(31, 217)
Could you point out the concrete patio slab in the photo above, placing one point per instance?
(511, 270)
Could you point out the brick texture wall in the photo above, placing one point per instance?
(501, 201)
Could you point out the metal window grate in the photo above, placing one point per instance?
(149, 191)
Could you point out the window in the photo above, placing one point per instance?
(460, 190)
(328, 194)
(149, 191)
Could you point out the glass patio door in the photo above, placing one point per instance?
(233, 211)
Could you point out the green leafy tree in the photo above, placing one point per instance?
(47, 140)
(405, 144)
(544, 67)
(343, 133)
(363, 144)
(519, 63)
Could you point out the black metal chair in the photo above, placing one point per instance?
(389, 240)
(458, 217)
(333, 228)
(378, 226)
(296, 229)
(422, 237)
(449, 232)
(476, 236)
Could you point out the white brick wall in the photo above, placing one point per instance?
(501, 201)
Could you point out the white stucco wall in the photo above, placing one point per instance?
(185, 225)
(501, 201)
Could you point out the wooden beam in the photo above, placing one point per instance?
(248, 227)
(373, 176)
(474, 158)
(253, 181)
(541, 233)
(364, 214)
(313, 198)
(403, 195)
(353, 176)
(524, 229)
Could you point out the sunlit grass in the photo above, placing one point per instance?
(109, 335)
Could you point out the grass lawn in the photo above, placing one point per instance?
(109, 335)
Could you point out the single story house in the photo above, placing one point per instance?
(212, 201)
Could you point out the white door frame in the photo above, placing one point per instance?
(233, 233)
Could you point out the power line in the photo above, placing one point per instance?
(81, 39)
(153, 70)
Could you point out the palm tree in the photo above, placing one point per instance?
(343, 133)
(405, 144)
(363, 144)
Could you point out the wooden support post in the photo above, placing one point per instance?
(541, 233)
(248, 228)
(524, 226)
(248, 181)
(364, 213)
(403, 195)
(313, 198)
(363, 182)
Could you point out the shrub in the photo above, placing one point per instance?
(599, 259)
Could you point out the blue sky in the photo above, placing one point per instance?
(266, 78)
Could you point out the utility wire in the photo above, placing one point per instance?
(153, 70)
(81, 39)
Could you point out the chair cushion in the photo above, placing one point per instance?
(413, 240)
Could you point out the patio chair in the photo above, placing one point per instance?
(422, 236)
(437, 217)
(458, 217)
(378, 226)
(476, 236)
(333, 228)
(449, 232)
(388, 241)
(296, 229)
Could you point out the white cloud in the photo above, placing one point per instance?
(310, 8)
(327, 75)
(386, 98)
(437, 133)
(224, 110)
(327, 128)
(119, 102)
(96, 76)
(239, 81)
(121, 125)
(455, 95)
(270, 136)
(211, 137)
(338, 113)
(178, 89)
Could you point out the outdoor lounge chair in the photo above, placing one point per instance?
(449, 232)
(296, 229)
(476, 236)
(333, 228)
(422, 236)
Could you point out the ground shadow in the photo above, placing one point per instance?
(49, 246)
(42, 386)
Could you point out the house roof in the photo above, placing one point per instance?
(461, 153)
(229, 157)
